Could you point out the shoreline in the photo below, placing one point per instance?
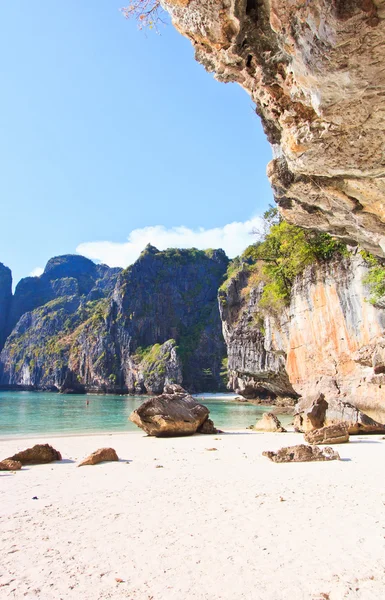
(58, 435)
(204, 517)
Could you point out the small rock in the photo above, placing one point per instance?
(333, 434)
(207, 427)
(302, 453)
(10, 465)
(101, 455)
(269, 423)
(37, 455)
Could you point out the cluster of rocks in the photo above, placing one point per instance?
(37, 455)
(315, 412)
(41, 454)
(322, 422)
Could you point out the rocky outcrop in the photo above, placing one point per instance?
(5, 301)
(269, 423)
(173, 414)
(302, 453)
(101, 455)
(333, 434)
(315, 71)
(91, 328)
(37, 455)
(329, 339)
(314, 413)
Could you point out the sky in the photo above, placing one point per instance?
(112, 138)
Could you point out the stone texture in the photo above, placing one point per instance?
(269, 423)
(333, 434)
(330, 339)
(37, 455)
(315, 412)
(101, 455)
(256, 342)
(315, 71)
(10, 465)
(207, 427)
(170, 415)
(302, 453)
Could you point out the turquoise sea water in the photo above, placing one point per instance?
(32, 413)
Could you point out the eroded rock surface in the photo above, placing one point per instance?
(333, 434)
(168, 415)
(315, 71)
(100, 455)
(302, 453)
(329, 340)
(37, 455)
(315, 412)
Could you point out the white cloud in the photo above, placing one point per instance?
(233, 238)
(36, 272)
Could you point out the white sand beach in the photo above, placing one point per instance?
(225, 524)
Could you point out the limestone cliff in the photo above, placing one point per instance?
(5, 301)
(85, 327)
(329, 338)
(315, 71)
(65, 275)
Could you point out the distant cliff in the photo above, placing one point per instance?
(329, 337)
(5, 301)
(86, 327)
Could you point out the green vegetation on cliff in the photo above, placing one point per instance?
(375, 279)
(283, 254)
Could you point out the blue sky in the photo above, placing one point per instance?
(108, 133)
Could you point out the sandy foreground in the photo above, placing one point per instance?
(222, 524)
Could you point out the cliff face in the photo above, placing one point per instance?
(5, 301)
(329, 339)
(315, 71)
(66, 275)
(134, 331)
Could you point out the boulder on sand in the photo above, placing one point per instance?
(207, 427)
(314, 412)
(171, 414)
(101, 455)
(333, 434)
(10, 465)
(269, 424)
(302, 453)
(37, 455)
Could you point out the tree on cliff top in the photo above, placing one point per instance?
(147, 13)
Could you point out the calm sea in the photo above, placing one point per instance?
(32, 413)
